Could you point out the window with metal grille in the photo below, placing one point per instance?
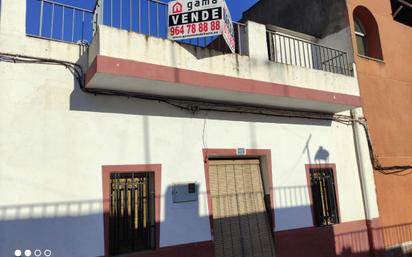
(324, 196)
(132, 212)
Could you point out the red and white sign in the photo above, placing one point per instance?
(228, 29)
(200, 18)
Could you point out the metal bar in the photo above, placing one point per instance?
(102, 12)
(340, 63)
(167, 22)
(121, 14)
(290, 51)
(397, 11)
(280, 49)
(116, 221)
(347, 64)
(111, 13)
(63, 23)
(157, 18)
(140, 27)
(148, 15)
(131, 15)
(41, 17)
(275, 45)
(73, 16)
(328, 54)
(304, 55)
(66, 6)
(405, 3)
(294, 51)
(239, 39)
(272, 46)
(323, 59)
(83, 27)
(52, 22)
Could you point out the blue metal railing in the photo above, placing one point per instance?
(57, 21)
(150, 17)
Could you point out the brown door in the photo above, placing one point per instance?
(240, 221)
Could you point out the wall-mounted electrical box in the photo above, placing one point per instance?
(185, 193)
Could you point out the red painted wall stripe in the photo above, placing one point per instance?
(129, 68)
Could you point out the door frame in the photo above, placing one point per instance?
(135, 168)
(265, 157)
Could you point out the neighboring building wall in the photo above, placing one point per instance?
(317, 18)
(55, 138)
(386, 89)
(340, 40)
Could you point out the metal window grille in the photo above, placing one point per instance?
(132, 212)
(324, 196)
(297, 52)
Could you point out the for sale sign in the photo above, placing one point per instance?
(199, 18)
(228, 30)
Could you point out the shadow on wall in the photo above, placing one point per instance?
(85, 102)
(62, 227)
(65, 227)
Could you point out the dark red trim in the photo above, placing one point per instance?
(107, 169)
(129, 68)
(230, 153)
(375, 237)
(199, 249)
(344, 239)
(326, 165)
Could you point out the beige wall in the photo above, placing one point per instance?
(386, 89)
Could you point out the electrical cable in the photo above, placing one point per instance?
(197, 105)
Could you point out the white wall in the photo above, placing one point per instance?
(54, 140)
(117, 43)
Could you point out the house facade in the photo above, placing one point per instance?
(130, 144)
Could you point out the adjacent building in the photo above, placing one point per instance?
(382, 39)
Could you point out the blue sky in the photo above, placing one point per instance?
(83, 30)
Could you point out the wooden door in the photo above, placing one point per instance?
(240, 221)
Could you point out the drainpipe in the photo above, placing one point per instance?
(367, 182)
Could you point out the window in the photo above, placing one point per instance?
(132, 225)
(325, 207)
(361, 39)
(367, 33)
(402, 11)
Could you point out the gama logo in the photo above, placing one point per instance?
(177, 8)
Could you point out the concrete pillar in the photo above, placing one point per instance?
(257, 43)
(13, 17)
(368, 187)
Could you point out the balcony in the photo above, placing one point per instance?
(128, 52)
